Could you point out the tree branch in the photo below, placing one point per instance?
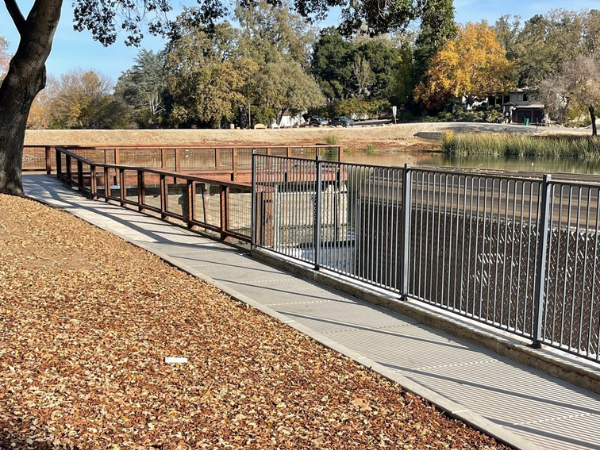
(16, 15)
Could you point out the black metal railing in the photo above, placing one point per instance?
(516, 252)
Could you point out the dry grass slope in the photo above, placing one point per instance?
(86, 320)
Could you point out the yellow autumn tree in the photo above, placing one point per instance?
(473, 65)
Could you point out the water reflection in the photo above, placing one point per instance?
(396, 158)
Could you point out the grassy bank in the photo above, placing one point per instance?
(512, 144)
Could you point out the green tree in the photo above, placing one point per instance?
(384, 60)
(143, 88)
(542, 45)
(273, 33)
(205, 78)
(403, 82)
(27, 72)
(332, 64)
(436, 28)
(83, 100)
(284, 86)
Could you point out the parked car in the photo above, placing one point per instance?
(318, 122)
(343, 121)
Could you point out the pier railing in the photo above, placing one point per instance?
(232, 163)
(517, 253)
(215, 205)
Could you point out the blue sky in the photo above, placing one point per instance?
(73, 50)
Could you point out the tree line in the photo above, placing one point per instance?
(268, 61)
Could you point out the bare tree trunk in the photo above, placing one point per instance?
(25, 78)
(592, 110)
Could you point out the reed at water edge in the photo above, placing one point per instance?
(520, 145)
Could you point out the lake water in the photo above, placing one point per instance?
(396, 158)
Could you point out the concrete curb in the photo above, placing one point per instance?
(565, 367)
(451, 408)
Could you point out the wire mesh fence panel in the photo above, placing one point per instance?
(225, 159)
(244, 157)
(197, 159)
(207, 203)
(152, 195)
(239, 205)
(177, 196)
(34, 158)
(141, 157)
(131, 188)
(572, 308)
(93, 155)
(114, 186)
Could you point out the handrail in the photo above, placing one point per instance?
(115, 177)
(151, 170)
(41, 157)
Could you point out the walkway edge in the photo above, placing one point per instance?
(451, 408)
(566, 367)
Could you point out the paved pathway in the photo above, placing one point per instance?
(523, 405)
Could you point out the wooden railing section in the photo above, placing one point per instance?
(220, 206)
(232, 163)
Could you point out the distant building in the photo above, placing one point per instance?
(518, 106)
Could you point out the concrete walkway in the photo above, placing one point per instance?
(522, 406)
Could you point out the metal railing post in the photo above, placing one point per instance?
(253, 203)
(405, 230)
(317, 219)
(540, 277)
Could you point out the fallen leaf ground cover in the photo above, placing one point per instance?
(87, 319)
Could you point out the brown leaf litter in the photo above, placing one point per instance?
(87, 319)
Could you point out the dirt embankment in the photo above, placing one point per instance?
(412, 136)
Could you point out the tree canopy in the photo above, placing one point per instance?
(575, 87)
(26, 75)
(473, 65)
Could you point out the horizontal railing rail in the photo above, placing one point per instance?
(232, 162)
(215, 205)
(513, 251)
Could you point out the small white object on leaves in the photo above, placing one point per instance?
(175, 360)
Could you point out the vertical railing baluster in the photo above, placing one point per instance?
(253, 212)
(543, 192)
(317, 224)
(406, 229)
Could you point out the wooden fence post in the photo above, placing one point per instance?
(48, 159)
(224, 225)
